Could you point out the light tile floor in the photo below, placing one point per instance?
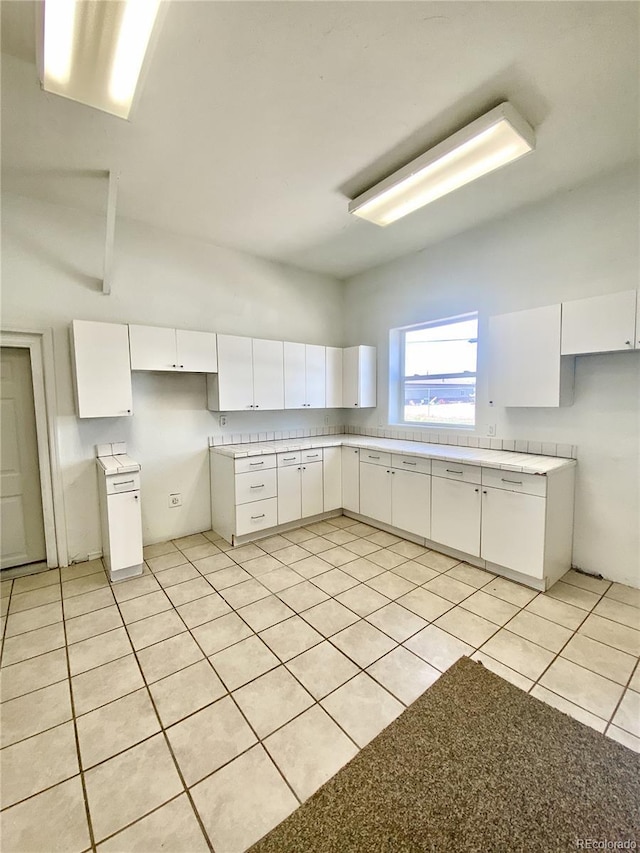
(199, 704)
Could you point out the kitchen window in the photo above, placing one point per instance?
(437, 372)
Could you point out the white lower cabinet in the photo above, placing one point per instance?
(351, 478)
(375, 491)
(455, 514)
(411, 502)
(513, 530)
(300, 491)
(332, 478)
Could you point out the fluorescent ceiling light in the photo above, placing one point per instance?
(492, 141)
(94, 50)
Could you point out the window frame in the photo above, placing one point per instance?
(397, 377)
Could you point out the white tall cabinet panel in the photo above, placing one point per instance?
(232, 388)
(599, 324)
(196, 351)
(351, 478)
(333, 384)
(294, 376)
(315, 376)
(375, 492)
(268, 374)
(359, 377)
(513, 530)
(332, 478)
(411, 502)
(525, 367)
(101, 369)
(455, 514)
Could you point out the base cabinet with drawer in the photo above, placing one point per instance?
(456, 506)
(243, 494)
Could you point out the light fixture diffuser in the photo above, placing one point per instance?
(495, 139)
(94, 50)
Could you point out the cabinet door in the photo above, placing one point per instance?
(294, 376)
(332, 478)
(289, 493)
(375, 492)
(351, 478)
(102, 374)
(333, 384)
(125, 530)
(455, 514)
(599, 324)
(312, 492)
(315, 376)
(152, 348)
(525, 368)
(513, 527)
(367, 383)
(350, 365)
(411, 502)
(196, 351)
(235, 373)
(268, 374)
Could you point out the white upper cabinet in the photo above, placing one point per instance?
(525, 366)
(231, 389)
(157, 348)
(268, 374)
(102, 374)
(304, 376)
(333, 384)
(600, 324)
(359, 377)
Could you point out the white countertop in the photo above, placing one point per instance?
(120, 464)
(526, 463)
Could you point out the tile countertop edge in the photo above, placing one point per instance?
(506, 460)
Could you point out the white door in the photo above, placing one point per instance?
(102, 371)
(599, 324)
(153, 348)
(351, 478)
(196, 351)
(315, 376)
(289, 493)
(411, 502)
(268, 374)
(332, 478)
(21, 520)
(125, 530)
(294, 376)
(235, 374)
(375, 492)
(333, 383)
(350, 371)
(455, 514)
(312, 492)
(513, 528)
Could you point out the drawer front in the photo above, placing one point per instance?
(285, 459)
(255, 463)
(122, 483)
(255, 486)
(411, 463)
(376, 457)
(256, 516)
(512, 481)
(312, 455)
(455, 471)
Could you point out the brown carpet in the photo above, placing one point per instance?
(476, 765)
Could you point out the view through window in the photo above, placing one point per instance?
(438, 382)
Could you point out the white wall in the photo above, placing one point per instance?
(51, 261)
(581, 243)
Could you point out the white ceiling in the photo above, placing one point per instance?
(257, 121)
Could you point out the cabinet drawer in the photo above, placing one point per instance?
(255, 485)
(511, 481)
(312, 455)
(411, 463)
(255, 463)
(122, 483)
(285, 459)
(256, 516)
(455, 471)
(376, 457)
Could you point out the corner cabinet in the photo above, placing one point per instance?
(526, 368)
(101, 369)
(601, 324)
(359, 377)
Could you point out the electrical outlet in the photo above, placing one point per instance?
(175, 500)
(222, 420)
(491, 429)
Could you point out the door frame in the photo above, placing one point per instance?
(40, 346)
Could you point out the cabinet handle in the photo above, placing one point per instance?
(313, 456)
(182, 366)
(261, 486)
(288, 458)
(253, 517)
(123, 483)
(451, 471)
(628, 343)
(373, 457)
(303, 468)
(174, 365)
(514, 482)
(355, 404)
(135, 497)
(484, 491)
(409, 463)
(252, 464)
(256, 406)
(476, 490)
(128, 411)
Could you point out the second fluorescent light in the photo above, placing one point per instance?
(492, 141)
